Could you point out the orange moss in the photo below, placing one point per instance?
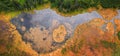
(117, 22)
(108, 14)
(12, 40)
(110, 28)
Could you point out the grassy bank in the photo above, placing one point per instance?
(63, 7)
(7, 15)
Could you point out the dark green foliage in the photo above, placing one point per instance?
(12, 5)
(62, 5)
(118, 34)
(110, 3)
(71, 5)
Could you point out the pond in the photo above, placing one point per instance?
(45, 30)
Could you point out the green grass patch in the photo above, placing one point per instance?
(107, 44)
(63, 51)
(116, 52)
(115, 48)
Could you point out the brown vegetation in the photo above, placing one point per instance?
(108, 14)
(11, 42)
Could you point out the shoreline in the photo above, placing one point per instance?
(12, 14)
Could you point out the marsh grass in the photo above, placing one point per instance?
(107, 44)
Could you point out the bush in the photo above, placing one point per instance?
(71, 5)
(110, 3)
(61, 5)
(12, 5)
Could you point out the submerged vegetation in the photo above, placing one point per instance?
(61, 5)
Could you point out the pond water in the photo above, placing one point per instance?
(37, 29)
